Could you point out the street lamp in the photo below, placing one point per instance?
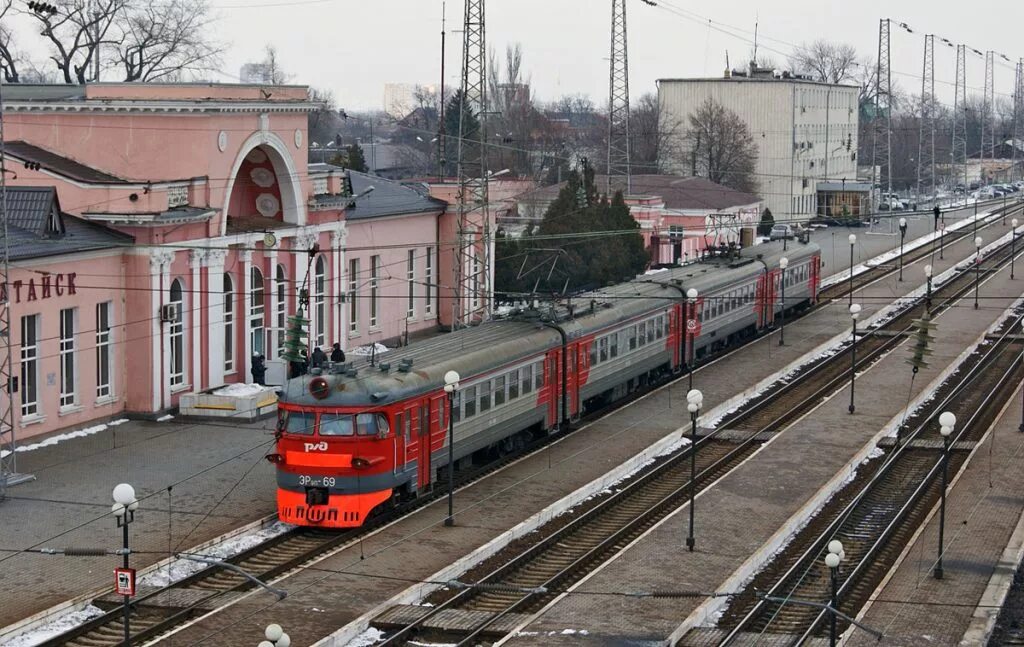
(1013, 240)
(125, 505)
(977, 269)
(691, 329)
(276, 637)
(854, 313)
(946, 423)
(853, 241)
(1021, 428)
(451, 384)
(783, 264)
(694, 400)
(903, 237)
(942, 239)
(928, 283)
(832, 560)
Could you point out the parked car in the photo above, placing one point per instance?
(782, 232)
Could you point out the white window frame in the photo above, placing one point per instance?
(353, 294)
(320, 302)
(68, 359)
(178, 364)
(257, 312)
(104, 350)
(374, 290)
(410, 277)
(229, 324)
(281, 313)
(428, 279)
(30, 325)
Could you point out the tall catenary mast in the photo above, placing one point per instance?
(926, 140)
(988, 130)
(619, 176)
(1018, 121)
(958, 152)
(473, 269)
(881, 131)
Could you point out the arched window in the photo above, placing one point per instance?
(177, 333)
(229, 324)
(257, 338)
(320, 302)
(281, 316)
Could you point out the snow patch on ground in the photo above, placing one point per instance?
(371, 636)
(877, 452)
(59, 438)
(181, 568)
(240, 390)
(365, 351)
(54, 628)
(165, 418)
(657, 271)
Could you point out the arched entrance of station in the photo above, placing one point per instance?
(264, 187)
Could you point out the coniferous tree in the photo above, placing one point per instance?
(356, 159)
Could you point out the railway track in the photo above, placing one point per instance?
(157, 612)
(502, 598)
(873, 517)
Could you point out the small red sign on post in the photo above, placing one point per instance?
(124, 581)
(691, 324)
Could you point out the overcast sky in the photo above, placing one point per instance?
(355, 47)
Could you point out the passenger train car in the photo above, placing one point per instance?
(357, 436)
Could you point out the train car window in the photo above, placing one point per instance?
(366, 424)
(457, 407)
(642, 332)
(300, 423)
(613, 345)
(526, 378)
(499, 390)
(485, 397)
(667, 325)
(470, 402)
(593, 352)
(652, 327)
(538, 375)
(513, 385)
(632, 337)
(400, 425)
(335, 424)
(425, 420)
(603, 348)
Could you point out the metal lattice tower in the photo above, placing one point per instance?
(1018, 119)
(926, 140)
(958, 152)
(988, 126)
(473, 254)
(618, 104)
(881, 126)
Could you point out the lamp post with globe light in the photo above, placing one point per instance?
(1013, 241)
(854, 313)
(903, 237)
(928, 293)
(853, 242)
(946, 423)
(694, 401)
(125, 505)
(783, 264)
(276, 637)
(977, 269)
(835, 556)
(691, 330)
(451, 385)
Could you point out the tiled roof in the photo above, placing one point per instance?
(678, 192)
(389, 198)
(59, 164)
(30, 209)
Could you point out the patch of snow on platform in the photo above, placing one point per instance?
(365, 351)
(877, 452)
(62, 624)
(371, 636)
(240, 390)
(165, 418)
(181, 568)
(657, 271)
(59, 438)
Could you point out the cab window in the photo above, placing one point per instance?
(335, 424)
(372, 424)
(298, 422)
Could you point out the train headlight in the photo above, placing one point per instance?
(319, 388)
(360, 463)
(275, 458)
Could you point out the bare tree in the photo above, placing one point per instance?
(77, 31)
(651, 138)
(275, 73)
(166, 39)
(719, 147)
(826, 61)
(10, 58)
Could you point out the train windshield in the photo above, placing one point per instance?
(298, 422)
(336, 424)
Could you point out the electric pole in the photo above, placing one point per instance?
(881, 131)
(959, 149)
(1018, 117)
(474, 245)
(926, 140)
(618, 104)
(988, 135)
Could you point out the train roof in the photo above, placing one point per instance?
(420, 367)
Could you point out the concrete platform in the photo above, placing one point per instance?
(983, 518)
(360, 579)
(743, 519)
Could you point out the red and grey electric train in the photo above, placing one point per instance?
(356, 436)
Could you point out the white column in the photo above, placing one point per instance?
(245, 257)
(215, 303)
(195, 262)
(270, 280)
(156, 329)
(338, 285)
(165, 370)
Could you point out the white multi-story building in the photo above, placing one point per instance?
(805, 131)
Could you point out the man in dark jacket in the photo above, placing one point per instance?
(337, 355)
(318, 358)
(259, 370)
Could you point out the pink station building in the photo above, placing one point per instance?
(159, 236)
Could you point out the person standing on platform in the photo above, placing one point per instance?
(337, 355)
(318, 359)
(259, 370)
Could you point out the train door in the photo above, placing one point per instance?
(423, 425)
(554, 389)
